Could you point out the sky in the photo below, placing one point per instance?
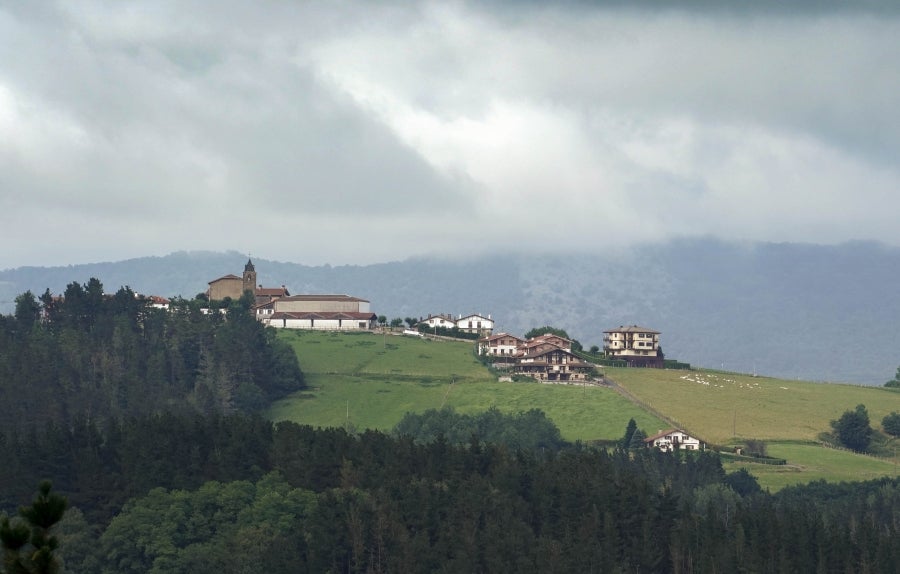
(361, 132)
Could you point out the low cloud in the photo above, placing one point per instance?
(353, 133)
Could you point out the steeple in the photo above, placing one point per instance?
(249, 276)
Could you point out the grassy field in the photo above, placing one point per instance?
(724, 407)
(809, 462)
(373, 380)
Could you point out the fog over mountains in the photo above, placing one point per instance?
(826, 313)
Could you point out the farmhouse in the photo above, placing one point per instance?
(553, 364)
(499, 345)
(442, 320)
(637, 346)
(672, 439)
(543, 343)
(545, 357)
(475, 324)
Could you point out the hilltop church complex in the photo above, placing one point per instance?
(546, 358)
(276, 307)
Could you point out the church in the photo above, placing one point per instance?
(277, 308)
(233, 287)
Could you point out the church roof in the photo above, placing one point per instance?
(226, 277)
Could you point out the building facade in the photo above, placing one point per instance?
(320, 312)
(499, 345)
(672, 439)
(637, 346)
(475, 324)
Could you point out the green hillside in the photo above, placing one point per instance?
(722, 407)
(371, 381)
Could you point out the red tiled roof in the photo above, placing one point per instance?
(499, 336)
(324, 298)
(662, 434)
(271, 291)
(229, 276)
(633, 329)
(352, 315)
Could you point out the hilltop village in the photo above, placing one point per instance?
(546, 357)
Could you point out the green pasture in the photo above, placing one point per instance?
(370, 385)
(723, 408)
(808, 462)
(363, 354)
(371, 380)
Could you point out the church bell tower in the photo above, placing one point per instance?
(249, 277)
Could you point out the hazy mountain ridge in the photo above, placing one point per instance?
(789, 310)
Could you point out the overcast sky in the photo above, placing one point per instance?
(359, 132)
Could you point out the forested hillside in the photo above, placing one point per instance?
(98, 357)
(143, 420)
(234, 494)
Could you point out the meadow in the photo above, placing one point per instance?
(371, 381)
(809, 461)
(366, 380)
(725, 408)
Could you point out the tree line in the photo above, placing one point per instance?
(194, 493)
(91, 355)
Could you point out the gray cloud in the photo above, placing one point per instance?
(396, 130)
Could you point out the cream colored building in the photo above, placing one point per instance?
(319, 312)
(499, 345)
(232, 286)
(638, 346)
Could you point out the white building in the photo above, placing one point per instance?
(638, 346)
(475, 324)
(320, 312)
(499, 345)
(669, 440)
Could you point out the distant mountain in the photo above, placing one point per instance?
(827, 313)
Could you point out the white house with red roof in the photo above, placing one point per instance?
(320, 312)
(499, 345)
(475, 323)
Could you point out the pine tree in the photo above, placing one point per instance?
(28, 545)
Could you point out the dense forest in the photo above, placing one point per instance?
(148, 423)
(194, 493)
(89, 355)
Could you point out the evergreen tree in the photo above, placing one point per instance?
(28, 546)
(853, 430)
(891, 424)
(625, 441)
(637, 439)
(895, 382)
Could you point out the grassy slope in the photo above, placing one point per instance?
(723, 408)
(379, 378)
(808, 462)
(720, 406)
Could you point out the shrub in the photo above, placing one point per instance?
(853, 429)
(891, 424)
